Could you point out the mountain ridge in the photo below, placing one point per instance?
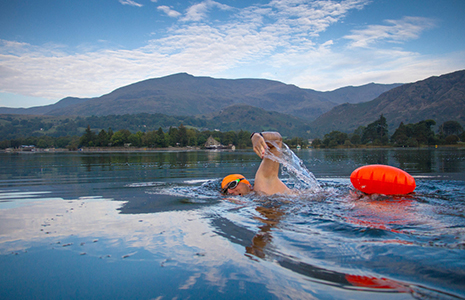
(184, 94)
(440, 98)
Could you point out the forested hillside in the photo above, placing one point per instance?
(232, 118)
(438, 98)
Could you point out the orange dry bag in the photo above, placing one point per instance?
(382, 179)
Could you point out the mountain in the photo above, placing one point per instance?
(438, 98)
(43, 110)
(357, 94)
(235, 117)
(246, 117)
(184, 94)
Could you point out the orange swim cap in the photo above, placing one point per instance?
(232, 177)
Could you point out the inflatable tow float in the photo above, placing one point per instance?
(382, 179)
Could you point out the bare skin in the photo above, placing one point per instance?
(267, 181)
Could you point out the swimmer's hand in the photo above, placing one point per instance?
(259, 145)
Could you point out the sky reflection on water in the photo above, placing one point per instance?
(152, 225)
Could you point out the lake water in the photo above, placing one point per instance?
(152, 225)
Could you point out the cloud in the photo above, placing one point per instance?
(198, 12)
(101, 221)
(328, 70)
(279, 40)
(395, 31)
(170, 12)
(315, 16)
(130, 2)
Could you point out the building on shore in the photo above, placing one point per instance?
(213, 144)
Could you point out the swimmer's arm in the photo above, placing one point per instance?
(266, 178)
(266, 140)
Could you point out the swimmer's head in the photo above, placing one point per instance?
(235, 184)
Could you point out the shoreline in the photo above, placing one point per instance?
(179, 149)
(100, 149)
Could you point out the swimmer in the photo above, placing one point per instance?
(266, 178)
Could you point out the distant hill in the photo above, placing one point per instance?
(246, 117)
(438, 98)
(357, 94)
(43, 110)
(235, 117)
(185, 95)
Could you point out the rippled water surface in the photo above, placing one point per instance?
(152, 225)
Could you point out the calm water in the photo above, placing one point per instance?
(152, 225)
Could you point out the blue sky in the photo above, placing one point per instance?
(51, 49)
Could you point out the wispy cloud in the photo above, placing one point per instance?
(312, 17)
(198, 12)
(130, 2)
(395, 31)
(170, 12)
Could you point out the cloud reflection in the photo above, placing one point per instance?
(179, 239)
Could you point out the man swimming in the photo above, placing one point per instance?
(266, 178)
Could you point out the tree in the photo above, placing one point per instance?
(173, 136)
(102, 139)
(423, 133)
(161, 139)
(451, 139)
(136, 139)
(243, 139)
(120, 137)
(414, 135)
(450, 127)
(316, 143)
(376, 132)
(296, 141)
(150, 139)
(356, 139)
(110, 133)
(89, 138)
(229, 137)
(192, 137)
(335, 138)
(401, 135)
(182, 136)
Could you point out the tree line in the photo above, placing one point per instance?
(376, 134)
(16, 126)
(181, 136)
(406, 135)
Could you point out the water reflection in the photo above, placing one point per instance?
(90, 231)
(155, 224)
(419, 160)
(270, 217)
(152, 159)
(341, 162)
(259, 246)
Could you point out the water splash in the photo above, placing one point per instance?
(299, 177)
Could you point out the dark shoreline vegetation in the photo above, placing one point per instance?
(68, 133)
